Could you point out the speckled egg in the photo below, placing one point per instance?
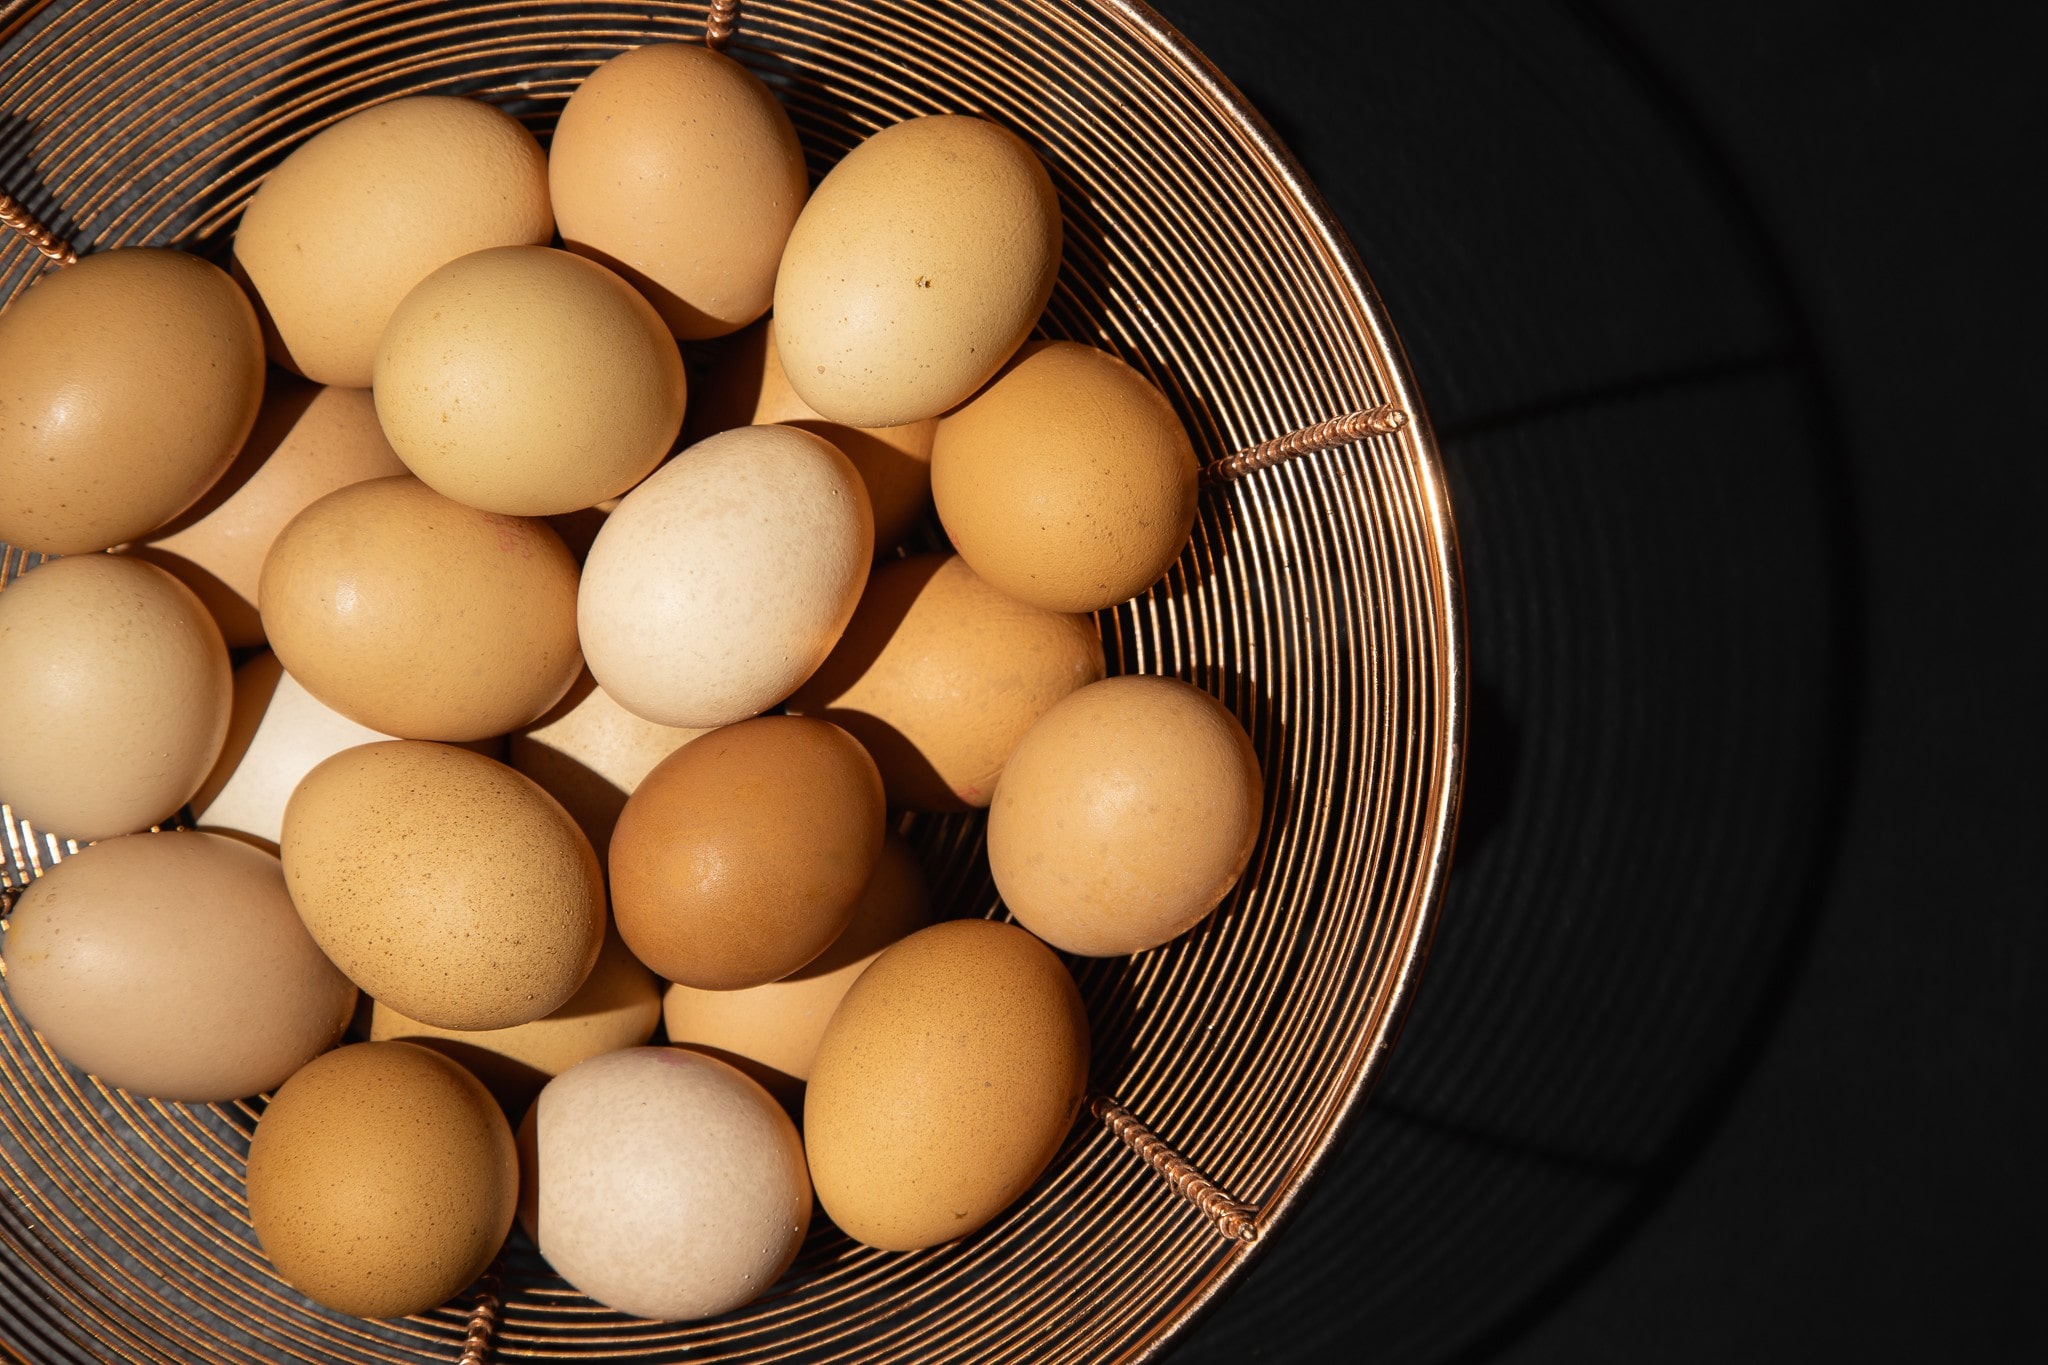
(382, 1180)
(590, 754)
(127, 383)
(677, 167)
(944, 1084)
(366, 209)
(417, 616)
(173, 965)
(117, 700)
(444, 883)
(920, 264)
(939, 675)
(1125, 816)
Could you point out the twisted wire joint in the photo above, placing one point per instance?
(1226, 1215)
(1383, 420)
(719, 24)
(483, 1322)
(14, 215)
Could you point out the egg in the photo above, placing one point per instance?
(444, 883)
(1125, 816)
(382, 1180)
(720, 583)
(663, 1184)
(677, 167)
(277, 733)
(417, 616)
(528, 381)
(127, 383)
(174, 966)
(590, 753)
(944, 1084)
(118, 691)
(742, 855)
(308, 441)
(618, 1006)
(1068, 483)
(939, 675)
(744, 384)
(919, 265)
(771, 1032)
(365, 210)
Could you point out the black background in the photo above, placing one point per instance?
(1731, 322)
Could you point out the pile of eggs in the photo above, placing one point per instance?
(578, 685)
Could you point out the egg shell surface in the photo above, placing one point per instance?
(382, 1180)
(590, 754)
(945, 1084)
(444, 883)
(174, 966)
(118, 695)
(127, 383)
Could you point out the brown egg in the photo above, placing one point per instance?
(590, 753)
(117, 697)
(745, 385)
(173, 965)
(1125, 816)
(127, 383)
(1068, 483)
(939, 675)
(365, 210)
(663, 1183)
(618, 1006)
(444, 883)
(677, 167)
(308, 441)
(945, 1084)
(920, 264)
(742, 855)
(771, 1032)
(417, 616)
(277, 733)
(382, 1180)
(528, 381)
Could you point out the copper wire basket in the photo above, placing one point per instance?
(1320, 599)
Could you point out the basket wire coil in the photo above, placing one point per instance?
(1391, 458)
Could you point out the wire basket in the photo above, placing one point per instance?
(1319, 599)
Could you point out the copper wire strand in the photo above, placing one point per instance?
(720, 22)
(1228, 1216)
(1383, 420)
(483, 1321)
(15, 215)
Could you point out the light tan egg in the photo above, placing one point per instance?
(417, 616)
(618, 1006)
(771, 1032)
(742, 855)
(675, 166)
(939, 675)
(528, 381)
(1125, 816)
(444, 883)
(745, 385)
(173, 965)
(921, 263)
(720, 583)
(590, 753)
(117, 699)
(127, 383)
(366, 209)
(663, 1183)
(277, 733)
(382, 1180)
(1069, 482)
(945, 1084)
(308, 441)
